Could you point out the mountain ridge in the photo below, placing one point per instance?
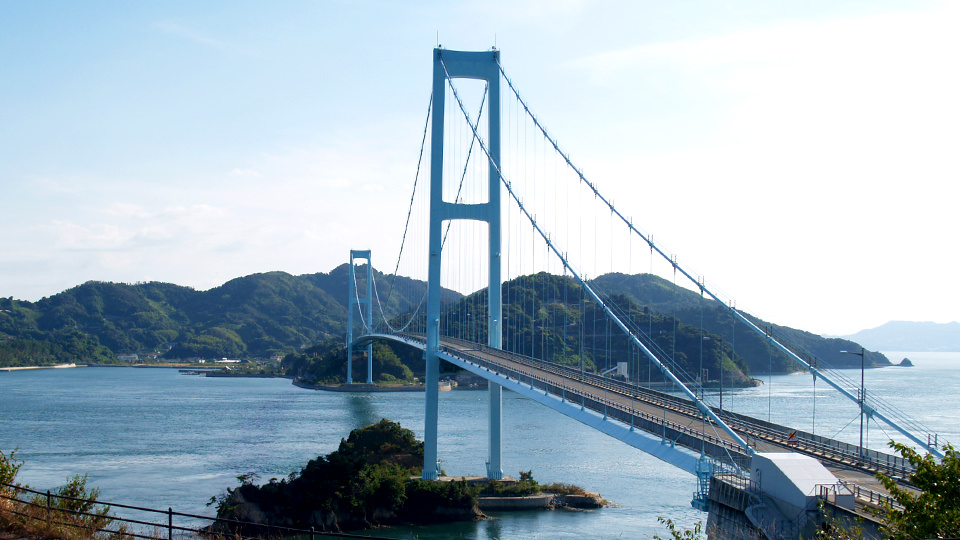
(912, 336)
(275, 313)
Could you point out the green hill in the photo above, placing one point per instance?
(662, 296)
(550, 318)
(255, 316)
(275, 313)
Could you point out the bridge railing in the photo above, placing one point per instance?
(719, 448)
(58, 516)
(872, 497)
(890, 465)
(755, 428)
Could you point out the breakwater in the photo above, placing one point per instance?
(25, 368)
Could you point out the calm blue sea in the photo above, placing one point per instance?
(155, 438)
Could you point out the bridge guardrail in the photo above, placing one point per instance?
(47, 510)
(809, 443)
(721, 449)
(872, 497)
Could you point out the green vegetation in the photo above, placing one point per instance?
(326, 364)
(551, 318)
(256, 316)
(369, 480)
(935, 511)
(525, 486)
(690, 308)
(372, 479)
(931, 510)
(276, 314)
(678, 533)
(9, 467)
(66, 347)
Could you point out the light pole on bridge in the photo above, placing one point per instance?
(863, 395)
(721, 374)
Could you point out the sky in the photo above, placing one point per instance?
(802, 156)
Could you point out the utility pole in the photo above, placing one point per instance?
(863, 394)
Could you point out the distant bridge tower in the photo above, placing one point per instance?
(470, 65)
(366, 314)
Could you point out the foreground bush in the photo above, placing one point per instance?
(71, 512)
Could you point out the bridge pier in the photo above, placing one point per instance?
(366, 315)
(470, 65)
(494, 467)
(431, 468)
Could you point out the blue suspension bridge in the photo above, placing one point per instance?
(510, 220)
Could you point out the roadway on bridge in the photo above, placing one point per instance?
(670, 411)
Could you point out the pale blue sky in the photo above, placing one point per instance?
(811, 144)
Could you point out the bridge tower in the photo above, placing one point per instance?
(470, 65)
(366, 314)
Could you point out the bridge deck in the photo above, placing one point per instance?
(674, 418)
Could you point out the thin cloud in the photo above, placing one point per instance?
(245, 172)
(196, 36)
(826, 44)
(93, 237)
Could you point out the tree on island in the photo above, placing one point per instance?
(370, 480)
(325, 363)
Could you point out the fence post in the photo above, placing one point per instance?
(311, 533)
(169, 523)
(48, 509)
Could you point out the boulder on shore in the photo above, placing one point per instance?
(587, 500)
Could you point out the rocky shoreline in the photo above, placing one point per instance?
(258, 520)
(360, 387)
(543, 501)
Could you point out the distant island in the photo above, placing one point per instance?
(911, 336)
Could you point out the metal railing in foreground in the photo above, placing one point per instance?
(46, 509)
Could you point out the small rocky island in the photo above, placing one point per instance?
(905, 363)
(373, 480)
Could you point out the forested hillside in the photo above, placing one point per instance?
(275, 313)
(662, 296)
(550, 317)
(255, 316)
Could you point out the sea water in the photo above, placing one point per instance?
(155, 438)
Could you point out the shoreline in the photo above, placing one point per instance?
(358, 387)
(24, 368)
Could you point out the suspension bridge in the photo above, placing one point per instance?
(510, 222)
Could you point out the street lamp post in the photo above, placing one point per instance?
(721, 374)
(861, 354)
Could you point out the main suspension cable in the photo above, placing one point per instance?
(406, 226)
(768, 336)
(704, 409)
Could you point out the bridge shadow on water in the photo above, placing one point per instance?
(362, 410)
